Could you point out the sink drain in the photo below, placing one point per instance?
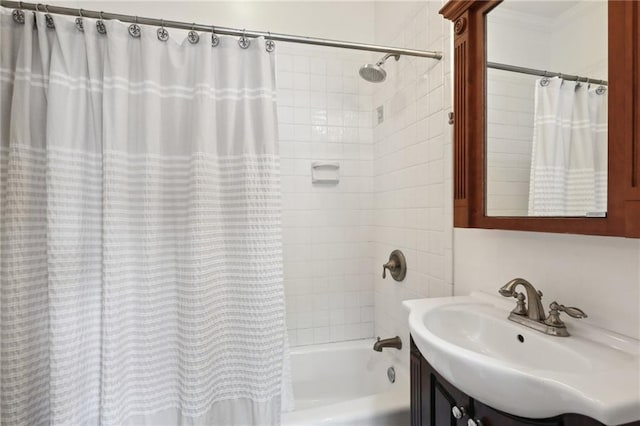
(391, 374)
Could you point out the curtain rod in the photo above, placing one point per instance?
(542, 73)
(220, 30)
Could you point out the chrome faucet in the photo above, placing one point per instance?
(392, 342)
(533, 315)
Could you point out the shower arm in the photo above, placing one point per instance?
(387, 56)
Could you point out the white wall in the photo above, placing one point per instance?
(412, 166)
(520, 39)
(350, 20)
(600, 275)
(579, 40)
(510, 114)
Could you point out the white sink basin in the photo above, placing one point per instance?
(472, 344)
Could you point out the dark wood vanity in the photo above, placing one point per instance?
(434, 400)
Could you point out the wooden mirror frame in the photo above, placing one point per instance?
(469, 179)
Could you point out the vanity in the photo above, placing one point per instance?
(471, 365)
(435, 401)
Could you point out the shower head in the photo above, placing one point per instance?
(374, 73)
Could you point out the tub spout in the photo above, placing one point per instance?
(392, 342)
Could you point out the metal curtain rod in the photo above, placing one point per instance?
(542, 73)
(220, 30)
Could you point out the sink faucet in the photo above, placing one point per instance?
(392, 342)
(535, 311)
(533, 315)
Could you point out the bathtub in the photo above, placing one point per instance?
(346, 384)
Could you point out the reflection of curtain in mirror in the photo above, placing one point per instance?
(569, 154)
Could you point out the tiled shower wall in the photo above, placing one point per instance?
(324, 114)
(412, 172)
(395, 188)
(510, 114)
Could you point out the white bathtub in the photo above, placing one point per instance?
(346, 384)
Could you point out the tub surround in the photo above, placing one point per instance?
(412, 165)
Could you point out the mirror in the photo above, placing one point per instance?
(469, 23)
(546, 133)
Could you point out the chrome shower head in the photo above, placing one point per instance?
(375, 73)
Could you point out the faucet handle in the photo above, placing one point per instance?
(572, 311)
(554, 314)
(520, 308)
(391, 265)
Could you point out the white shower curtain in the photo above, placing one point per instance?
(141, 256)
(569, 154)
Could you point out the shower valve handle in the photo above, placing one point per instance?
(391, 265)
(397, 266)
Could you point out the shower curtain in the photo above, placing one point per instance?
(141, 255)
(569, 154)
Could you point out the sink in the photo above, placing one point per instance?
(472, 344)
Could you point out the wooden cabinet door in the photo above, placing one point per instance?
(492, 417)
(432, 397)
(445, 397)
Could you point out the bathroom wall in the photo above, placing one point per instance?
(510, 106)
(324, 114)
(412, 165)
(600, 275)
(304, 17)
(510, 113)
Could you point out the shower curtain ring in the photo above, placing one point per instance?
(578, 83)
(193, 35)
(545, 81)
(18, 14)
(163, 34)
(134, 29)
(102, 29)
(48, 18)
(79, 23)
(215, 40)
(244, 42)
(269, 44)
